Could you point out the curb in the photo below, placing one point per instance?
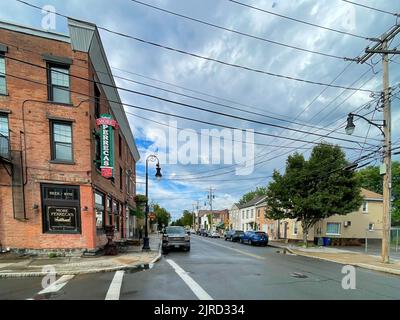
(79, 272)
(360, 265)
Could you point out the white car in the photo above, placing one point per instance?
(214, 234)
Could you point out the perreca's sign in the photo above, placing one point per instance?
(107, 127)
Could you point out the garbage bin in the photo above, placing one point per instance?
(327, 241)
(320, 242)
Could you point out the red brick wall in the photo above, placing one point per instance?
(29, 234)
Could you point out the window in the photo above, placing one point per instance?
(59, 84)
(109, 211)
(333, 228)
(371, 227)
(121, 175)
(97, 94)
(365, 207)
(242, 214)
(127, 182)
(3, 87)
(99, 207)
(258, 213)
(247, 214)
(61, 141)
(295, 228)
(116, 215)
(4, 142)
(252, 213)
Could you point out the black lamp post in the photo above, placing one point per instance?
(351, 126)
(152, 158)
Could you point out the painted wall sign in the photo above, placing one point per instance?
(107, 127)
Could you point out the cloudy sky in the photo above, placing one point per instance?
(235, 91)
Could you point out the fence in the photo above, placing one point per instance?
(373, 240)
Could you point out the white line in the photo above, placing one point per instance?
(57, 285)
(193, 285)
(115, 287)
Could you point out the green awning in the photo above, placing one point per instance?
(220, 225)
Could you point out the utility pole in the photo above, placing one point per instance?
(211, 196)
(195, 208)
(382, 48)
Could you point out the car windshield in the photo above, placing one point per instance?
(260, 233)
(175, 230)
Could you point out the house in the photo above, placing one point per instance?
(351, 228)
(248, 213)
(234, 218)
(219, 219)
(68, 156)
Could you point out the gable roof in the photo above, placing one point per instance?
(370, 195)
(253, 202)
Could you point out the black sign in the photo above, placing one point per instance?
(62, 219)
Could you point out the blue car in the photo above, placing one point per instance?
(254, 238)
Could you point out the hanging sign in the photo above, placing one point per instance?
(107, 126)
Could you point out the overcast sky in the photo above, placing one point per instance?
(247, 90)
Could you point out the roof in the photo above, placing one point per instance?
(84, 36)
(203, 213)
(370, 195)
(253, 202)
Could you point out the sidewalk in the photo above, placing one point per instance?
(12, 266)
(342, 256)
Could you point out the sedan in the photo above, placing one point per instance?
(254, 238)
(233, 235)
(214, 234)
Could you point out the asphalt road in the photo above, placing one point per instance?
(215, 269)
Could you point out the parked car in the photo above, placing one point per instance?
(254, 238)
(175, 237)
(233, 235)
(214, 234)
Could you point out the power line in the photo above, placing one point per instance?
(242, 33)
(187, 105)
(372, 8)
(199, 56)
(298, 20)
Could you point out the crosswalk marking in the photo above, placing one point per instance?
(114, 290)
(193, 285)
(57, 285)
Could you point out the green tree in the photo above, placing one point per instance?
(371, 179)
(187, 218)
(140, 200)
(260, 191)
(163, 217)
(312, 190)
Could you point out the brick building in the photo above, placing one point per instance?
(54, 157)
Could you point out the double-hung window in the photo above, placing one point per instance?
(3, 87)
(61, 141)
(59, 83)
(4, 137)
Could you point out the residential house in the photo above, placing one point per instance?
(351, 228)
(235, 218)
(219, 219)
(248, 212)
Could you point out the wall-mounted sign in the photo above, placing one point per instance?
(107, 126)
(62, 219)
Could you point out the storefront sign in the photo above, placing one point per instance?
(107, 127)
(62, 219)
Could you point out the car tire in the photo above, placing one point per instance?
(187, 249)
(251, 242)
(165, 251)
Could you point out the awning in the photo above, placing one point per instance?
(220, 225)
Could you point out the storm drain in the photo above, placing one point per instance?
(298, 275)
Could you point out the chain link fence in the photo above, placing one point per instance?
(373, 240)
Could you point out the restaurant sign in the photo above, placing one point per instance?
(62, 219)
(107, 126)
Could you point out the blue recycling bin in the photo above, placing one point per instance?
(327, 241)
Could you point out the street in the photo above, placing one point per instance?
(213, 269)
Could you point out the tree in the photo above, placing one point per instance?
(260, 191)
(140, 200)
(371, 179)
(163, 217)
(312, 190)
(187, 218)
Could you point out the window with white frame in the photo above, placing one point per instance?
(295, 228)
(3, 87)
(252, 213)
(247, 214)
(365, 207)
(371, 226)
(333, 228)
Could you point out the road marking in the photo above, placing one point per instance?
(57, 285)
(237, 250)
(115, 287)
(193, 285)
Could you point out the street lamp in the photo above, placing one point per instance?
(152, 158)
(384, 127)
